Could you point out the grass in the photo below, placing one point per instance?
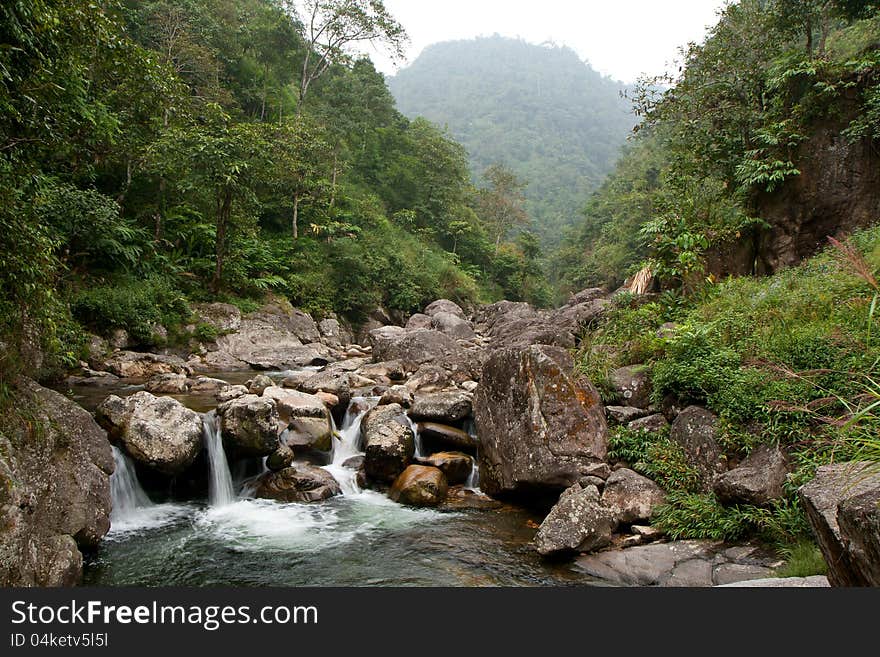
(802, 559)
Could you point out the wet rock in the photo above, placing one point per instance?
(418, 321)
(281, 458)
(578, 523)
(445, 306)
(695, 429)
(623, 415)
(298, 483)
(459, 498)
(836, 493)
(758, 480)
(631, 497)
(651, 424)
(250, 425)
(632, 386)
(456, 466)
(444, 407)
(54, 489)
(453, 326)
(170, 384)
(228, 393)
(420, 485)
(158, 432)
(389, 443)
(444, 436)
(400, 395)
(133, 365)
(259, 383)
(540, 425)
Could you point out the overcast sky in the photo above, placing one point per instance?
(620, 38)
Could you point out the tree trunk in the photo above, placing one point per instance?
(224, 211)
(265, 91)
(333, 184)
(296, 217)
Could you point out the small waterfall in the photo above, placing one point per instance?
(221, 491)
(125, 491)
(347, 443)
(473, 480)
(420, 451)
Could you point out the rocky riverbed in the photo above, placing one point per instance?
(450, 448)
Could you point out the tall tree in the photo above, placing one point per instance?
(334, 27)
(502, 203)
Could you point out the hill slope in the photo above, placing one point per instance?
(540, 110)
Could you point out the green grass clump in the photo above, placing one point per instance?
(802, 559)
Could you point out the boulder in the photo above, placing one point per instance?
(576, 318)
(420, 485)
(281, 458)
(632, 386)
(623, 415)
(389, 444)
(228, 393)
(250, 425)
(444, 407)
(333, 333)
(418, 321)
(336, 383)
(453, 326)
(541, 426)
(651, 424)
(457, 466)
(429, 378)
(134, 365)
(54, 488)
(758, 480)
(578, 523)
(420, 346)
(631, 497)
(158, 432)
(520, 325)
(843, 491)
(297, 483)
(443, 436)
(169, 384)
(695, 429)
(206, 384)
(400, 395)
(259, 383)
(585, 296)
(445, 306)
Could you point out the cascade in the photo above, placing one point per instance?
(125, 491)
(221, 490)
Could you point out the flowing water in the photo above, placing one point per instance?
(360, 538)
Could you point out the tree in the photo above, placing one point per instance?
(334, 27)
(502, 203)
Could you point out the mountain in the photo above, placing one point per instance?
(556, 122)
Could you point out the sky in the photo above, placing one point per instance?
(620, 38)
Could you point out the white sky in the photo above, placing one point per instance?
(620, 38)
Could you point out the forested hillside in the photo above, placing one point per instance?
(157, 153)
(539, 110)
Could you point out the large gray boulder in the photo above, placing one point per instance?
(845, 492)
(306, 416)
(578, 523)
(389, 444)
(453, 326)
(630, 497)
(135, 365)
(419, 321)
(54, 489)
(445, 306)
(511, 325)
(696, 431)
(250, 425)
(158, 432)
(758, 480)
(575, 318)
(298, 483)
(446, 407)
(421, 346)
(541, 426)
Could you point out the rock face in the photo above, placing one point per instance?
(54, 490)
(511, 325)
(758, 480)
(632, 386)
(680, 563)
(631, 497)
(158, 432)
(389, 443)
(444, 407)
(298, 483)
(695, 429)
(250, 425)
(540, 427)
(838, 504)
(420, 485)
(578, 523)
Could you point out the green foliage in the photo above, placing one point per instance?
(655, 456)
(802, 559)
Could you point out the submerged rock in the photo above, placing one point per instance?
(420, 485)
(540, 425)
(54, 489)
(389, 444)
(578, 523)
(298, 483)
(158, 432)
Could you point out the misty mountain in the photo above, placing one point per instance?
(539, 109)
